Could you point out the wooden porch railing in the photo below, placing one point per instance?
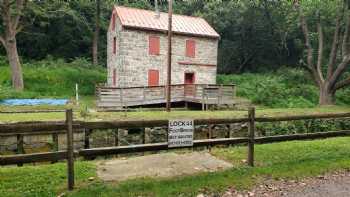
(115, 97)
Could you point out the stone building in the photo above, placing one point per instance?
(137, 49)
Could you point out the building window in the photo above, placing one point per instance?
(114, 45)
(154, 45)
(190, 48)
(113, 21)
(153, 78)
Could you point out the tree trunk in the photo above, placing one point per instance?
(327, 96)
(94, 50)
(15, 65)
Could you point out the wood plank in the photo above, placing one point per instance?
(304, 136)
(153, 123)
(155, 147)
(135, 96)
(18, 128)
(43, 157)
(31, 158)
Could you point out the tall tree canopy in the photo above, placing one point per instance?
(329, 63)
(253, 35)
(256, 35)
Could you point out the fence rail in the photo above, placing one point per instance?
(55, 126)
(60, 155)
(205, 94)
(38, 128)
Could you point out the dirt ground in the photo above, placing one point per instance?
(336, 184)
(331, 185)
(159, 165)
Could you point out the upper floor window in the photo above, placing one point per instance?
(114, 45)
(154, 45)
(113, 21)
(190, 48)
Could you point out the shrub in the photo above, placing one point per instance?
(303, 126)
(54, 78)
(286, 87)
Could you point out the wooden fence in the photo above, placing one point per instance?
(205, 94)
(69, 126)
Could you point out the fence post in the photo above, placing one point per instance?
(203, 105)
(116, 137)
(251, 135)
(87, 133)
(220, 95)
(20, 148)
(70, 149)
(210, 135)
(54, 144)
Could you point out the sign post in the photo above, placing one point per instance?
(180, 133)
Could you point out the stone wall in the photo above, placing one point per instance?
(133, 61)
(113, 59)
(108, 138)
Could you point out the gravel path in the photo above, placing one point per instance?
(336, 184)
(331, 185)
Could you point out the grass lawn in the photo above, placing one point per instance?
(88, 102)
(151, 115)
(287, 160)
(41, 180)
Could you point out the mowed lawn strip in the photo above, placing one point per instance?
(161, 115)
(287, 160)
(41, 180)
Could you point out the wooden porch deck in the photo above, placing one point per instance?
(119, 98)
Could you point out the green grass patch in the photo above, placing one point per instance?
(82, 114)
(41, 180)
(285, 87)
(287, 160)
(53, 79)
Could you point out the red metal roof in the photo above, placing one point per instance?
(145, 19)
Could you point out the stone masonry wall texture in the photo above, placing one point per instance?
(132, 60)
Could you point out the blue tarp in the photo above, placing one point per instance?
(17, 102)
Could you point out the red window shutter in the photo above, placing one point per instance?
(113, 21)
(153, 78)
(154, 45)
(190, 48)
(114, 45)
(114, 77)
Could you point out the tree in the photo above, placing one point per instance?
(254, 34)
(96, 33)
(339, 55)
(11, 14)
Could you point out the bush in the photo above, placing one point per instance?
(7, 92)
(53, 78)
(303, 126)
(286, 88)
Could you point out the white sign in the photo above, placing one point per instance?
(180, 133)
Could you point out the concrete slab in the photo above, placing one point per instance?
(160, 165)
